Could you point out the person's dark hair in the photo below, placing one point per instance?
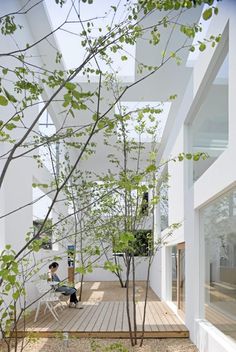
(53, 265)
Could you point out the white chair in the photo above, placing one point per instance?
(49, 297)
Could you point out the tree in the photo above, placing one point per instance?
(84, 114)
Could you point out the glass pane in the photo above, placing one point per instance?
(164, 208)
(218, 221)
(174, 274)
(210, 126)
(181, 253)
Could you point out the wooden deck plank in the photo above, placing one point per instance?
(158, 315)
(152, 317)
(173, 323)
(91, 324)
(139, 317)
(119, 318)
(159, 323)
(162, 315)
(147, 318)
(112, 322)
(82, 318)
(75, 315)
(29, 318)
(42, 321)
(100, 319)
(108, 319)
(81, 324)
(125, 326)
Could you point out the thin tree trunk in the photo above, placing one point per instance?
(127, 303)
(15, 325)
(134, 301)
(81, 287)
(118, 274)
(145, 302)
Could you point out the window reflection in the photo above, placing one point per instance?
(219, 228)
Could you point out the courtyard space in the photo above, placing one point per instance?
(104, 316)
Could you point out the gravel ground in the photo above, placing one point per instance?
(98, 345)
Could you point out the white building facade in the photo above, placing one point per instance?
(196, 271)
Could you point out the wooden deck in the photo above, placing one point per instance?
(105, 319)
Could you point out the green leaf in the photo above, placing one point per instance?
(76, 94)
(3, 101)
(16, 295)
(10, 126)
(202, 47)
(70, 86)
(80, 270)
(188, 156)
(124, 58)
(207, 14)
(151, 168)
(16, 118)
(11, 279)
(9, 96)
(196, 157)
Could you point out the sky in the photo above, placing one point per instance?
(68, 39)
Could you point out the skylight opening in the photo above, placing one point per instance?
(161, 118)
(70, 41)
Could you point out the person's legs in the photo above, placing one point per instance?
(73, 298)
(70, 291)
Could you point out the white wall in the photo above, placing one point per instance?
(100, 274)
(186, 198)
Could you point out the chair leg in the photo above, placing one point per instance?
(61, 305)
(37, 312)
(52, 310)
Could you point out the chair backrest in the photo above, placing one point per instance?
(47, 291)
(43, 287)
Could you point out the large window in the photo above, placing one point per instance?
(210, 126)
(174, 274)
(164, 206)
(218, 224)
(178, 275)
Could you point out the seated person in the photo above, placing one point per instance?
(65, 290)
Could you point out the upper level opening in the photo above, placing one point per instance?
(210, 126)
